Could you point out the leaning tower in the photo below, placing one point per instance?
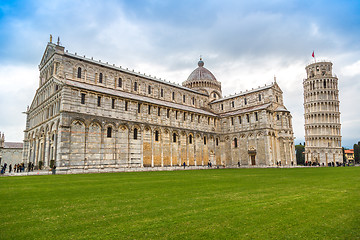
(322, 115)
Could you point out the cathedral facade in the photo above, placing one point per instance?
(87, 114)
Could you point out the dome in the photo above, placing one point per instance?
(202, 80)
(201, 73)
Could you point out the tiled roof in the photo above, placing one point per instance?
(244, 110)
(132, 73)
(349, 151)
(137, 97)
(13, 145)
(243, 93)
(281, 109)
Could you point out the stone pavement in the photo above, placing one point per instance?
(140, 169)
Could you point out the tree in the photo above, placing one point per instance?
(300, 157)
(344, 157)
(357, 153)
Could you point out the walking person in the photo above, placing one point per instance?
(10, 168)
(184, 165)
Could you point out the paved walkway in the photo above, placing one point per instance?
(142, 169)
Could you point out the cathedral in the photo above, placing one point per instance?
(90, 115)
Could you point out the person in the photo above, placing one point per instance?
(292, 163)
(184, 165)
(210, 164)
(238, 163)
(54, 170)
(10, 168)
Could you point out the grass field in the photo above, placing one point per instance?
(304, 203)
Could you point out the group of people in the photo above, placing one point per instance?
(20, 167)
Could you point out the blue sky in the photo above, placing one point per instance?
(243, 43)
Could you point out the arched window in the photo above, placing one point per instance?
(204, 140)
(120, 82)
(100, 77)
(245, 101)
(174, 137)
(217, 142)
(173, 95)
(190, 139)
(135, 86)
(259, 97)
(135, 133)
(235, 143)
(324, 83)
(109, 131)
(79, 72)
(156, 135)
(162, 93)
(149, 89)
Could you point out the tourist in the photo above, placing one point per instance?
(10, 168)
(184, 165)
(238, 163)
(54, 170)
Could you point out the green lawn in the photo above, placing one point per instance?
(304, 203)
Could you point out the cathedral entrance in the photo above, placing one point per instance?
(253, 160)
(252, 153)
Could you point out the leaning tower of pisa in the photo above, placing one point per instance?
(322, 115)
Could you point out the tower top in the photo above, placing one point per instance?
(319, 69)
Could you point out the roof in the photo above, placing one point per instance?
(281, 109)
(136, 97)
(201, 73)
(349, 151)
(132, 72)
(13, 145)
(244, 110)
(244, 93)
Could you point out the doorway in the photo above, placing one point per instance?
(252, 157)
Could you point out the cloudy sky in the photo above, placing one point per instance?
(243, 43)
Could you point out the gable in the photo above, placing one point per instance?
(276, 87)
(49, 51)
(37, 100)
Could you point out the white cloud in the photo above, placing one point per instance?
(17, 87)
